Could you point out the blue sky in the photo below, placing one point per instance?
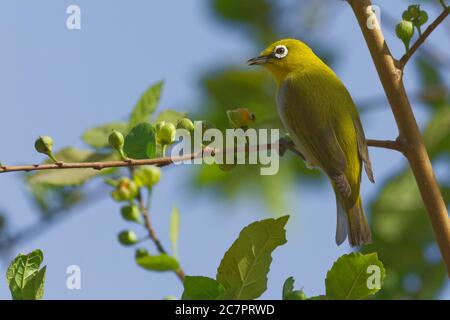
(59, 82)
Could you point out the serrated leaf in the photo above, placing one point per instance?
(24, 278)
(162, 262)
(201, 288)
(171, 116)
(354, 276)
(244, 268)
(140, 142)
(98, 137)
(71, 177)
(146, 105)
(174, 230)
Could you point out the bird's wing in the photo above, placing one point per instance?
(362, 148)
(322, 144)
(312, 127)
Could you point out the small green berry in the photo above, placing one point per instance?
(116, 140)
(127, 237)
(186, 124)
(125, 190)
(296, 295)
(159, 125)
(406, 16)
(141, 252)
(414, 11)
(241, 118)
(423, 18)
(166, 133)
(131, 213)
(44, 144)
(405, 31)
(147, 176)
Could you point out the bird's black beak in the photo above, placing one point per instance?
(258, 60)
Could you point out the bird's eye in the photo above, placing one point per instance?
(280, 51)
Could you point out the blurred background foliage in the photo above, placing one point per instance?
(402, 234)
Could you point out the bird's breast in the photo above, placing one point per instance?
(285, 110)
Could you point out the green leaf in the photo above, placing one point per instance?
(201, 288)
(162, 262)
(71, 177)
(34, 289)
(140, 143)
(174, 230)
(244, 268)
(24, 278)
(98, 137)
(171, 116)
(146, 105)
(354, 276)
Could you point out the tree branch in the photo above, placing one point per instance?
(410, 139)
(165, 161)
(387, 144)
(423, 37)
(151, 232)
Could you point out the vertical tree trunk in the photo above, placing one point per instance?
(410, 139)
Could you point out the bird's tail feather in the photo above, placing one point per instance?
(341, 224)
(352, 221)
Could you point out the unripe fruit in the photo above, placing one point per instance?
(406, 16)
(186, 124)
(147, 176)
(405, 31)
(126, 189)
(141, 252)
(414, 11)
(241, 118)
(131, 213)
(116, 140)
(159, 125)
(44, 144)
(166, 133)
(127, 237)
(296, 295)
(423, 17)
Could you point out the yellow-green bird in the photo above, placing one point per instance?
(322, 120)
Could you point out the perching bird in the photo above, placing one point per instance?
(322, 120)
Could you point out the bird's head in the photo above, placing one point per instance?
(283, 57)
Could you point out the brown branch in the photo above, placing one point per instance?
(387, 144)
(165, 161)
(410, 139)
(423, 37)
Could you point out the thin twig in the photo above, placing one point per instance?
(387, 144)
(423, 37)
(151, 232)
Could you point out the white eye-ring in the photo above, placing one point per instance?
(280, 51)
